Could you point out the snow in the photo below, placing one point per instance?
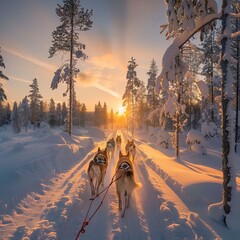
(196, 142)
(45, 189)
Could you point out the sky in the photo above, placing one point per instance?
(121, 30)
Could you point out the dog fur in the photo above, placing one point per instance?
(131, 149)
(119, 141)
(110, 148)
(126, 181)
(97, 170)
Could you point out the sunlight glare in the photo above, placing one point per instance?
(121, 110)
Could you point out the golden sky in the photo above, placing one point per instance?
(121, 30)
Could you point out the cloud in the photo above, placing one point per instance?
(20, 80)
(106, 61)
(30, 59)
(107, 90)
(91, 80)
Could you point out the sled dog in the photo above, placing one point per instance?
(118, 141)
(125, 183)
(97, 170)
(131, 148)
(110, 148)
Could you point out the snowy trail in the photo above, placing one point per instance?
(156, 209)
(38, 214)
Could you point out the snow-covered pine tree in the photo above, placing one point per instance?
(66, 38)
(52, 113)
(211, 54)
(35, 97)
(24, 112)
(192, 17)
(2, 114)
(152, 97)
(59, 114)
(15, 119)
(129, 97)
(185, 18)
(2, 76)
(83, 114)
(105, 115)
(98, 114)
(190, 92)
(43, 111)
(65, 115)
(141, 105)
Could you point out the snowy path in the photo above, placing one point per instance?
(157, 210)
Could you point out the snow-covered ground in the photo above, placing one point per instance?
(44, 189)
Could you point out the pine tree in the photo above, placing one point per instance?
(15, 119)
(141, 104)
(64, 114)
(2, 115)
(65, 38)
(35, 97)
(83, 115)
(2, 76)
(24, 112)
(59, 119)
(43, 111)
(105, 117)
(52, 113)
(152, 97)
(129, 97)
(211, 54)
(98, 115)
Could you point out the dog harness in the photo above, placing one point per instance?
(100, 158)
(125, 166)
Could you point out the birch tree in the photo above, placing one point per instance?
(74, 19)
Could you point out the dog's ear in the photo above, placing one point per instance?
(128, 140)
(99, 150)
(120, 154)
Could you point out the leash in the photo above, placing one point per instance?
(86, 222)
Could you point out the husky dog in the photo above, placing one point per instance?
(131, 148)
(97, 170)
(125, 183)
(118, 141)
(110, 148)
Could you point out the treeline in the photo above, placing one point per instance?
(32, 110)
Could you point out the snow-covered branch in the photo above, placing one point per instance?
(174, 49)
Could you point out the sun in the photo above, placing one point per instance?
(121, 110)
